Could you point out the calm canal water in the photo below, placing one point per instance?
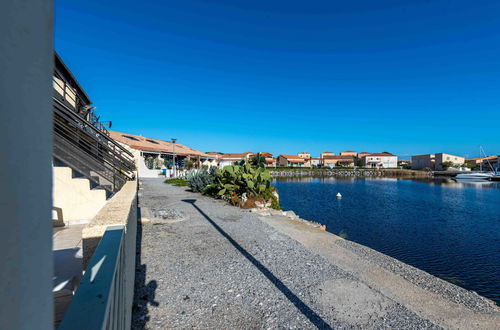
(449, 229)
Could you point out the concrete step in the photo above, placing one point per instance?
(73, 198)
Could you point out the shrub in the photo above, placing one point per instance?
(241, 179)
(198, 180)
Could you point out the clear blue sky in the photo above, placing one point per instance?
(407, 77)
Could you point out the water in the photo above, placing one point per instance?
(448, 229)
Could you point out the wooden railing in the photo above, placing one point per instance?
(103, 299)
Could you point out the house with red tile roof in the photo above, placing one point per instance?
(151, 154)
(337, 161)
(381, 160)
(292, 161)
(349, 153)
(231, 158)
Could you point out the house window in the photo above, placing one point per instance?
(151, 141)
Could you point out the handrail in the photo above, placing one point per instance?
(81, 146)
(81, 120)
(100, 301)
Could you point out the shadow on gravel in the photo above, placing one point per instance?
(144, 294)
(301, 306)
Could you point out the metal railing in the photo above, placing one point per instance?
(89, 151)
(103, 299)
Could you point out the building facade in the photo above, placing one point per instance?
(420, 162)
(381, 160)
(349, 153)
(338, 161)
(292, 161)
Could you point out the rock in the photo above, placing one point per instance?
(290, 214)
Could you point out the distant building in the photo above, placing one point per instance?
(231, 158)
(304, 155)
(441, 158)
(292, 161)
(381, 160)
(151, 154)
(326, 153)
(479, 160)
(337, 161)
(419, 162)
(491, 163)
(435, 161)
(316, 162)
(349, 153)
(402, 163)
(363, 154)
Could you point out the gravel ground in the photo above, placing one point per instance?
(204, 264)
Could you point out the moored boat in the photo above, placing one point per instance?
(475, 176)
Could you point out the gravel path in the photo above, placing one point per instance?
(204, 264)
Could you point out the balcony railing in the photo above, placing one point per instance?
(103, 299)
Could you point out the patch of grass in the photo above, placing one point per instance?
(158, 223)
(177, 182)
(343, 234)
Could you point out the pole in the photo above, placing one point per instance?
(174, 167)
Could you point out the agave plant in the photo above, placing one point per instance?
(200, 179)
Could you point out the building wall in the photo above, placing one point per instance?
(327, 153)
(383, 161)
(26, 68)
(304, 155)
(349, 153)
(420, 162)
(441, 158)
(282, 161)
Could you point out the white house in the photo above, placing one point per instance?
(381, 160)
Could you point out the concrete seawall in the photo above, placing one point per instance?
(349, 172)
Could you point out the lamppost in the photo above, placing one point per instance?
(173, 142)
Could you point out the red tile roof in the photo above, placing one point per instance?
(237, 156)
(339, 157)
(293, 158)
(381, 154)
(155, 145)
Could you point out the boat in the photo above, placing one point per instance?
(475, 176)
(481, 175)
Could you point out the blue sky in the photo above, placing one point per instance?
(407, 77)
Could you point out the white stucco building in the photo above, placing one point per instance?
(381, 160)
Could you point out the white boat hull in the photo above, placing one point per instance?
(474, 176)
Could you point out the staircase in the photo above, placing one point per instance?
(76, 199)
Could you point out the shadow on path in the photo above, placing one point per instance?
(144, 294)
(301, 306)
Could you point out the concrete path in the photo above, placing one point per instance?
(204, 264)
(67, 251)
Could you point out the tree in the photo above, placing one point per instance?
(446, 165)
(471, 164)
(258, 160)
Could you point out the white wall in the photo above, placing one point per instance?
(26, 65)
